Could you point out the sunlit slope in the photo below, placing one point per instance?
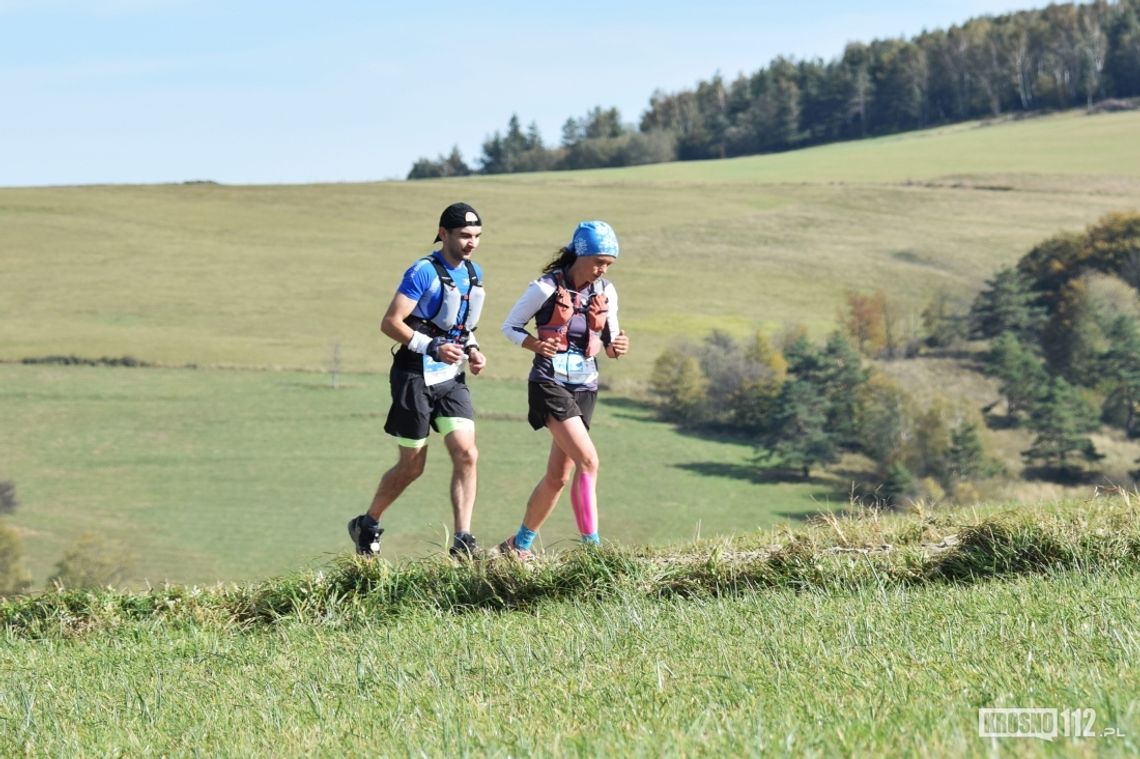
(278, 276)
(225, 475)
(1069, 145)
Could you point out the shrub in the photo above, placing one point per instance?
(14, 578)
(91, 563)
(8, 500)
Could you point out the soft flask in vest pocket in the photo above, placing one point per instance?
(558, 326)
(446, 316)
(563, 308)
(474, 308)
(596, 314)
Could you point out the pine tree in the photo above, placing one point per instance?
(804, 359)
(1007, 305)
(842, 378)
(1021, 373)
(897, 485)
(799, 439)
(1062, 420)
(455, 165)
(818, 408)
(966, 457)
(571, 133)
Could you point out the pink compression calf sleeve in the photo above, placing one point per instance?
(584, 500)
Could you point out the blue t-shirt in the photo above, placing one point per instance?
(421, 284)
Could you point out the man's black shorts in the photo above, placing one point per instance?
(416, 406)
(549, 399)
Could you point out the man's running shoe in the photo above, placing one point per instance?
(365, 533)
(508, 548)
(463, 547)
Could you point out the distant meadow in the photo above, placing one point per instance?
(248, 430)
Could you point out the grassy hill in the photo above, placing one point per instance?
(230, 471)
(224, 475)
(850, 635)
(274, 276)
(870, 636)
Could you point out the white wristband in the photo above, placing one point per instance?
(419, 342)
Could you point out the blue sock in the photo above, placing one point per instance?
(524, 537)
(592, 539)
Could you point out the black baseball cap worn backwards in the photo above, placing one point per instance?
(457, 216)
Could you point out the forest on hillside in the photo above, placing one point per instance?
(1058, 333)
(1058, 57)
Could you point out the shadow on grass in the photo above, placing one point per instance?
(1000, 421)
(971, 358)
(628, 404)
(809, 516)
(753, 474)
(717, 433)
(643, 411)
(831, 490)
(1068, 475)
(628, 408)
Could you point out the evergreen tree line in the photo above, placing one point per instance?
(1057, 57)
(1064, 330)
(804, 405)
(1063, 342)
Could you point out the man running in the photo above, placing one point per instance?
(432, 316)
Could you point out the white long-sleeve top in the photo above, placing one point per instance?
(537, 295)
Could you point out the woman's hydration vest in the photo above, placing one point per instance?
(565, 304)
(446, 316)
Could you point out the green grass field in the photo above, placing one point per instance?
(275, 276)
(818, 642)
(249, 465)
(900, 673)
(229, 474)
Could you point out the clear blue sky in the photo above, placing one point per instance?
(116, 91)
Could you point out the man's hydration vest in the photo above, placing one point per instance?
(566, 304)
(451, 301)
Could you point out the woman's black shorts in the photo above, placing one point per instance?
(549, 399)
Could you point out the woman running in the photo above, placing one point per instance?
(575, 312)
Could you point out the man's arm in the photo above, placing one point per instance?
(393, 324)
(394, 327)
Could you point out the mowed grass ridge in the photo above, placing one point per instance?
(816, 641)
(834, 553)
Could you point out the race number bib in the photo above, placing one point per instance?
(436, 372)
(574, 369)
